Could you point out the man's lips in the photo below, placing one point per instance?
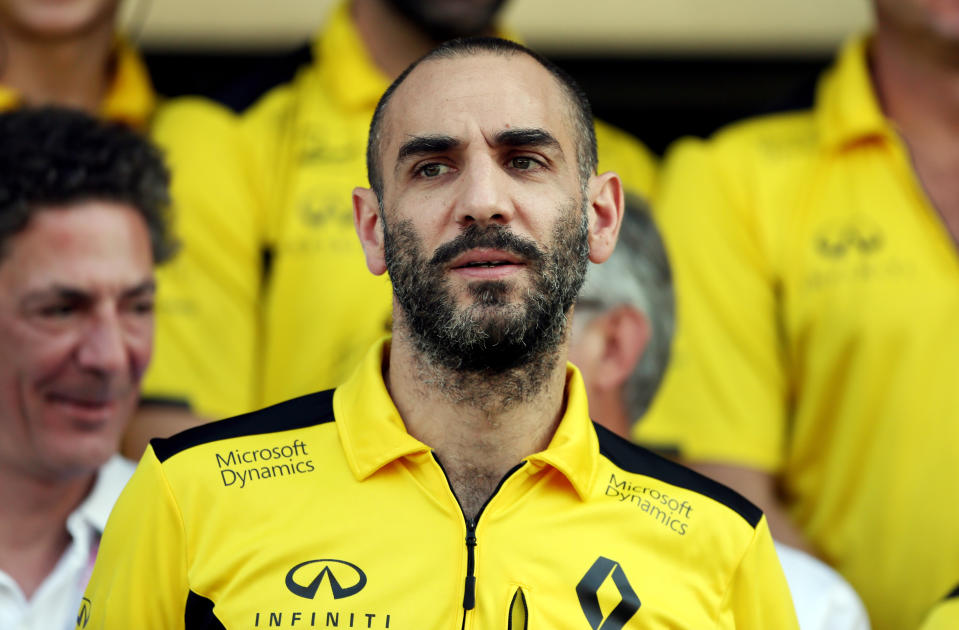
(485, 258)
(487, 264)
(90, 408)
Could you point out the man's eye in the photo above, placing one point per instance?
(142, 307)
(523, 163)
(433, 169)
(58, 310)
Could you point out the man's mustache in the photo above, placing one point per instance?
(491, 237)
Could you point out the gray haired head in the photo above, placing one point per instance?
(638, 275)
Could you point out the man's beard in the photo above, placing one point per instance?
(490, 335)
(439, 25)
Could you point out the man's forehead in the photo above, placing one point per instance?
(494, 91)
(86, 243)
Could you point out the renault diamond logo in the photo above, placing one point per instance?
(336, 572)
(588, 592)
(83, 616)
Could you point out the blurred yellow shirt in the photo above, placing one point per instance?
(817, 339)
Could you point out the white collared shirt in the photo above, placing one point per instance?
(54, 605)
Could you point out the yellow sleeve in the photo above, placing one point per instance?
(758, 596)
(723, 395)
(633, 162)
(140, 576)
(945, 616)
(205, 349)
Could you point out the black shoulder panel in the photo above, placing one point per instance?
(637, 459)
(297, 413)
(265, 76)
(199, 615)
(954, 594)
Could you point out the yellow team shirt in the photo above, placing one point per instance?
(817, 300)
(324, 512)
(129, 98)
(945, 615)
(318, 307)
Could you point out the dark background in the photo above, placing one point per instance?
(656, 98)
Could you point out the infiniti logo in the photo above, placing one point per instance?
(83, 616)
(336, 572)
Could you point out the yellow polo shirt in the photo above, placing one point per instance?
(817, 300)
(319, 307)
(130, 97)
(945, 615)
(324, 512)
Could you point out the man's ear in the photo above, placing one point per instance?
(605, 214)
(369, 227)
(626, 332)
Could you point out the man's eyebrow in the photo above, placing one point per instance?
(72, 294)
(147, 287)
(526, 138)
(426, 145)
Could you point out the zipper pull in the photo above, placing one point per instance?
(469, 592)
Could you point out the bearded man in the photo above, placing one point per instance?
(455, 480)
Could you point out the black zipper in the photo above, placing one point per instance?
(469, 591)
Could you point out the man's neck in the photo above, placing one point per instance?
(73, 72)
(479, 425)
(918, 87)
(33, 517)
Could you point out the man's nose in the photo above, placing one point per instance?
(102, 347)
(484, 196)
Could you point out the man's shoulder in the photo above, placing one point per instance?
(650, 481)
(298, 413)
(772, 138)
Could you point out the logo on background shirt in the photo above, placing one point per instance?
(343, 578)
(588, 589)
(853, 235)
(83, 615)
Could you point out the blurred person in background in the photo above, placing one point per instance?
(303, 309)
(621, 334)
(624, 323)
(82, 224)
(817, 285)
(68, 53)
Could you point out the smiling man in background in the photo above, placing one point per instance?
(81, 227)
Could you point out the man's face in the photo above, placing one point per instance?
(56, 19)
(485, 222)
(76, 329)
(447, 19)
(938, 19)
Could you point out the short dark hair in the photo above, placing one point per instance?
(54, 156)
(582, 114)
